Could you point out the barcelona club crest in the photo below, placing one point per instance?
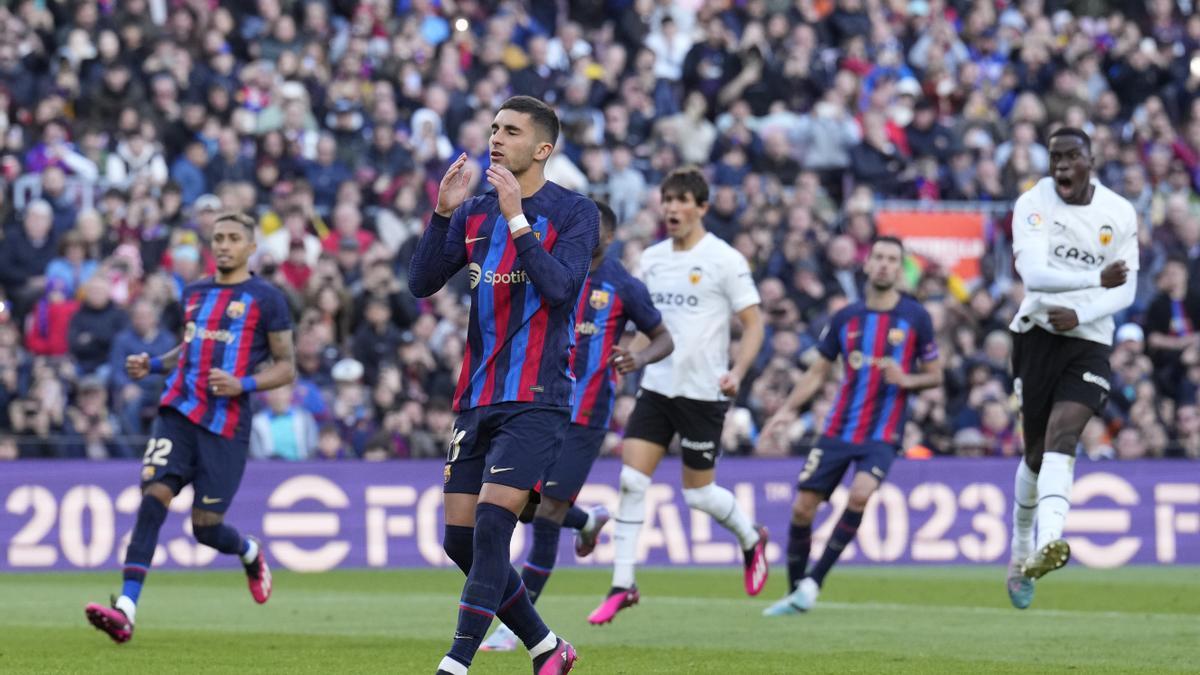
(599, 299)
(236, 310)
(694, 275)
(895, 337)
(1106, 235)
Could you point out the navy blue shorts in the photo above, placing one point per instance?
(510, 443)
(570, 472)
(181, 452)
(830, 457)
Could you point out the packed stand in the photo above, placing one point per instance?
(127, 127)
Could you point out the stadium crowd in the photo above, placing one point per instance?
(127, 126)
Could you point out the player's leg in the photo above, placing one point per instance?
(167, 465)
(1034, 385)
(220, 464)
(699, 424)
(861, 488)
(799, 546)
(563, 483)
(524, 440)
(1067, 420)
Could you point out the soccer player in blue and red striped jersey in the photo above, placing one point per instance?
(527, 246)
(888, 350)
(611, 299)
(234, 323)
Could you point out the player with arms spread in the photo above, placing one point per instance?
(234, 323)
(611, 298)
(888, 350)
(699, 283)
(1076, 249)
(527, 246)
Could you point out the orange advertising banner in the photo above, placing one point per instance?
(954, 241)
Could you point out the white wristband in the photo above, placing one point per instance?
(518, 223)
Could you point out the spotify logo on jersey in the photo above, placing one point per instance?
(473, 273)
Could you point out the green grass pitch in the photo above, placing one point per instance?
(870, 620)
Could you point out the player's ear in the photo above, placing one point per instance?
(542, 152)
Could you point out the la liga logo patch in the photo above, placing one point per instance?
(1034, 220)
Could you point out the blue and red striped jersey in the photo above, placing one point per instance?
(611, 297)
(867, 408)
(226, 327)
(521, 333)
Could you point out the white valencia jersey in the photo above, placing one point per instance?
(1075, 239)
(697, 291)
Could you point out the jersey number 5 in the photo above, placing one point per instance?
(156, 451)
(814, 460)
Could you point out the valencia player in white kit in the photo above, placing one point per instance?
(698, 283)
(1076, 249)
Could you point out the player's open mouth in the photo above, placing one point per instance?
(497, 155)
(672, 220)
(1063, 181)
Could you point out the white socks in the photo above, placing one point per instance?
(631, 512)
(126, 605)
(1025, 502)
(251, 553)
(451, 666)
(720, 503)
(549, 642)
(1054, 496)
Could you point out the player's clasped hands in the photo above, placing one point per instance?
(1114, 275)
(452, 191)
(137, 366)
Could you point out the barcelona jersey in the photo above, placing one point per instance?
(866, 407)
(521, 333)
(226, 327)
(611, 297)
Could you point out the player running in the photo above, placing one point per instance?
(884, 340)
(698, 282)
(526, 246)
(611, 298)
(202, 436)
(1076, 249)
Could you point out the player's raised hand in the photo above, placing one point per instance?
(507, 189)
(624, 361)
(1063, 318)
(1114, 274)
(221, 383)
(452, 191)
(137, 366)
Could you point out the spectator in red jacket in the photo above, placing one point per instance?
(46, 327)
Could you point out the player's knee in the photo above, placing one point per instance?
(206, 534)
(634, 482)
(699, 498)
(160, 491)
(1063, 442)
(858, 500)
(553, 509)
(803, 512)
(202, 518)
(458, 544)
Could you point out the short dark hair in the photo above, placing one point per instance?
(545, 122)
(686, 180)
(888, 239)
(238, 217)
(1076, 133)
(608, 219)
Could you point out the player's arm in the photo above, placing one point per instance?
(810, 383)
(557, 276)
(442, 249)
(753, 332)
(138, 366)
(281, 371)
(1031, 248)
(660, 347)
(930, 376)
(641, 310)
(1115, 298)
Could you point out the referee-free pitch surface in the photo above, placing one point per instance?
(892, 620)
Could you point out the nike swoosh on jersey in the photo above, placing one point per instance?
(473, 240)
(494, 470)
